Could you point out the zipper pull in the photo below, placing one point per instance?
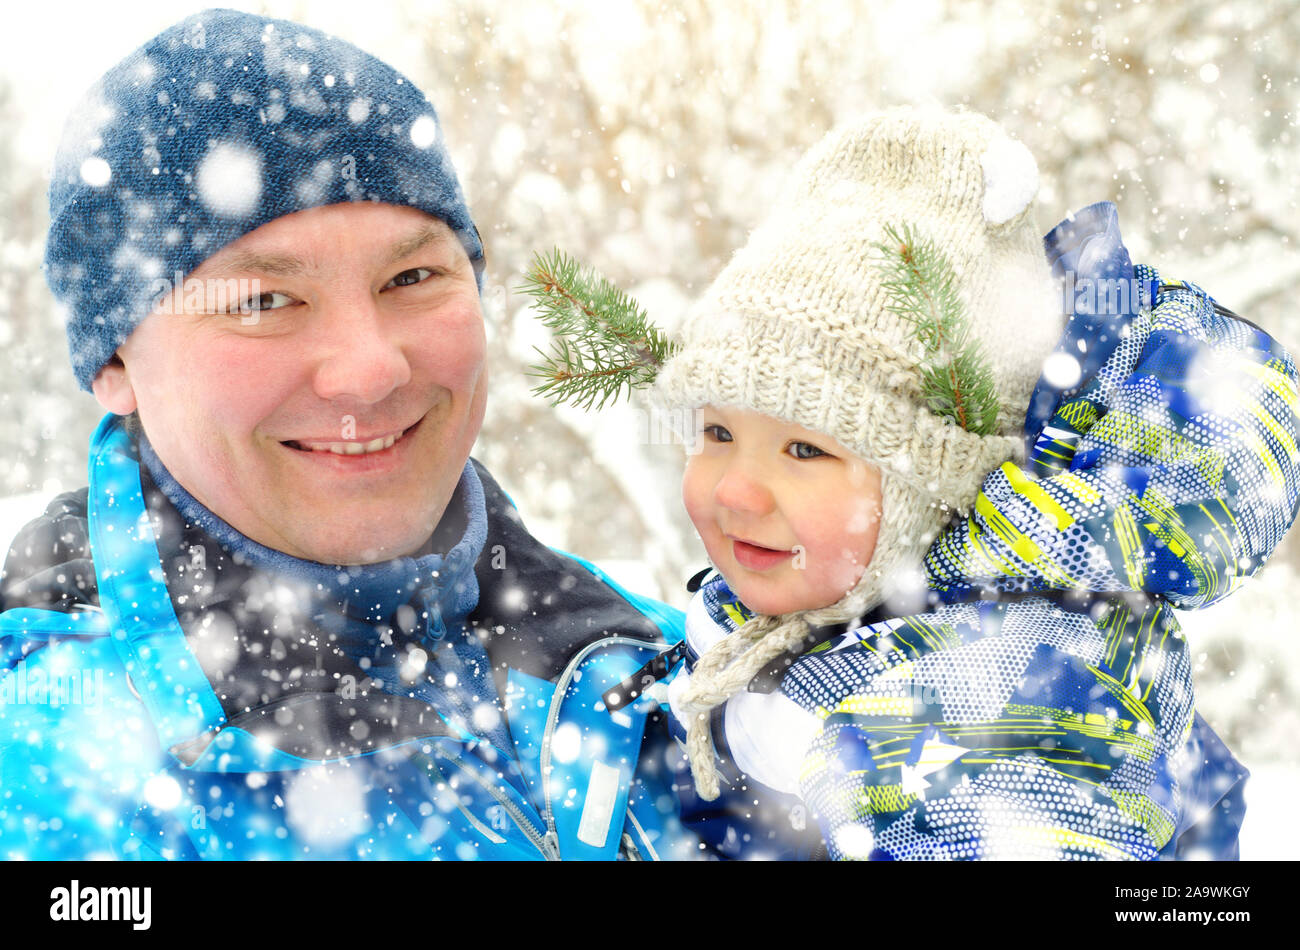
(629, 849)
(660, 665)
(551, 846)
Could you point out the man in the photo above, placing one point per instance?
(289, 617)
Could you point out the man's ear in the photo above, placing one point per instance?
(112, 388)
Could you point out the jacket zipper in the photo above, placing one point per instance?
(651, 853)
(553, 718)
(1219, 308)
(548, 849)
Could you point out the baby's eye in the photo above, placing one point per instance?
(408, 278)
(271, 300)
(804, 450)
(717, 433)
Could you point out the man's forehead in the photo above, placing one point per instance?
(294, 245)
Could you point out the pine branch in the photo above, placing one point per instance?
(956, 380)
(603, 340)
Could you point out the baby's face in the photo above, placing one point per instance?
(788, 515)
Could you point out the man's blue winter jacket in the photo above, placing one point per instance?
(170, 689)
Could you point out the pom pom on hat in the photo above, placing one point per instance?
(1010, 179)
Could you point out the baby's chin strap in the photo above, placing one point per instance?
(722, 671)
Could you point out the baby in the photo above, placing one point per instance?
(879, 349)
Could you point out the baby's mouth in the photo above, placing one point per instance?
(756, 557)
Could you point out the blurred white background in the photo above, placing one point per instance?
(647, 138)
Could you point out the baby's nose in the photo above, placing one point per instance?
(740, 490)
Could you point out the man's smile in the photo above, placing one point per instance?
(365, 446)
(379, 456)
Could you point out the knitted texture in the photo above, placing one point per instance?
(798, 327)
(218, 125)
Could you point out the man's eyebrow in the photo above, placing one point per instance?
(420, 239)
(277, 265)
(284, 265)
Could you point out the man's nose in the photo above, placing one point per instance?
(744, 490)
(362, 356)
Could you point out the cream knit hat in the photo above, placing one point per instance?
(798, 327)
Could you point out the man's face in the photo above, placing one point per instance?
(282, 420)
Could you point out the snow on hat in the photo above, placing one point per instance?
(218, 125)
(799, 326)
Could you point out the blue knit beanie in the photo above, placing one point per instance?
(214, 127)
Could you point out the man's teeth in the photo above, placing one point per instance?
(350, 448)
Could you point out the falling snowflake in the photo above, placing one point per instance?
(229, 180)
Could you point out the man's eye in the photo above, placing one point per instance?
(804, 450)
(717, 433)
(267, 301)
(409, 277)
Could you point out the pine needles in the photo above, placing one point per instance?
(604, 342)
(956, 381)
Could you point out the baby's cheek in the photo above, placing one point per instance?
(846, 553)
(863, 515)
(695, 494)
(852, 561)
